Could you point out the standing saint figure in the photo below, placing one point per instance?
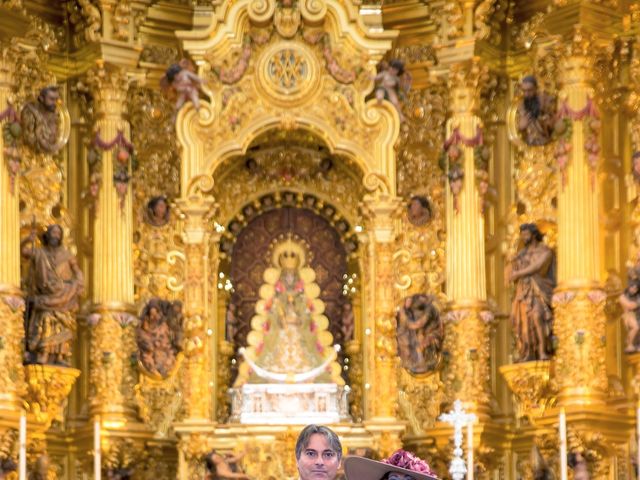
(533, 273)
(536, 113)
(54, 284)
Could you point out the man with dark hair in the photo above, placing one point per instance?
(318, 453)
(536, 113)
(533, 273)
(55, 283)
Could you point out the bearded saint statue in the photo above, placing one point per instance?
(39, 121)
(533, 273)
(54, 284)
(536, 113)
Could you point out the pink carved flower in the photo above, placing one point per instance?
(279, 287)
(404, 459)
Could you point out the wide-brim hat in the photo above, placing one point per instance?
(360, 468)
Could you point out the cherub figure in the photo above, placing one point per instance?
(392, 82)
(224, 467)
(180, 78)
(630, 302)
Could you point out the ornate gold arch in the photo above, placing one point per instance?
(307, 66)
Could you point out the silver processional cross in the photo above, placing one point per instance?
(459, 419)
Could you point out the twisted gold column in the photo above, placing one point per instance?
(11, 301)
(381, 210)
(468, 323)
(112, 336)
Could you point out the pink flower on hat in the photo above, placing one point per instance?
(404, 459)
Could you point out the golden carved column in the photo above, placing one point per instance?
(11, 301)
(197, 209)
(580, 321)
(113, 330)
(381, 209)
(468, 322)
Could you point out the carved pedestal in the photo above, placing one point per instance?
(532, 391)
(47, 389)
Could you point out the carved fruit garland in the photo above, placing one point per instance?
(590, 118)
(11, 132)
(123, 154)
(453, 152)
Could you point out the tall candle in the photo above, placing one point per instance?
(22, 440)
(563, 445)
(97, 472)
(470, 450)
(638, 430)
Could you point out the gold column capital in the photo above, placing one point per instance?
(109, 84)
(382, 210)
(465, 82)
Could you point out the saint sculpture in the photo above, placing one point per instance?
(533, 274)
(420, 334)
(40, 122)
(54, 284)
(536, 113)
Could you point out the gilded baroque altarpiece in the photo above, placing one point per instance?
(287, 178)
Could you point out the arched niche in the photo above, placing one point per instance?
(268, 67)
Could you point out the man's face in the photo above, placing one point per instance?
(318, 461)
(400, 476)
(55, 237)
(529, 90)
(160, 209)
(525, 236)
(50, 100)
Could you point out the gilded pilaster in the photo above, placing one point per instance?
(580, 322)
(11, 301)
(468, 326)
(381, 210)
(112, 333)
(197, 208)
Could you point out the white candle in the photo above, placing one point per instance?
(22, 440)
(97, 472)
(470, 450)
(563, 445)
(638, 430)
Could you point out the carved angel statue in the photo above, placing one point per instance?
(181, 81)
(392, 83)
(630, 302)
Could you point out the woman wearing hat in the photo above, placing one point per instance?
(399, 466)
